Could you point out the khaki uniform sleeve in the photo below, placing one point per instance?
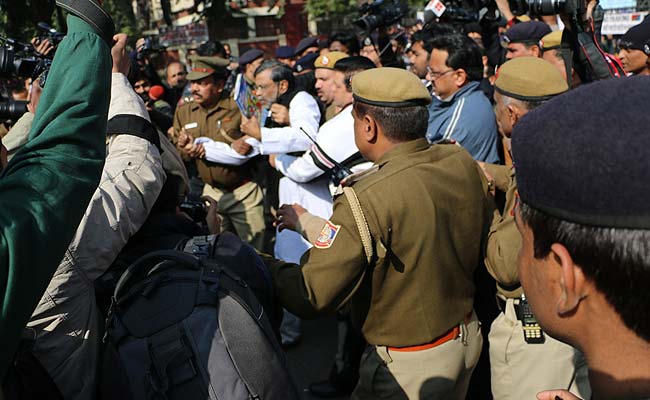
(504, 243)
(177, 126)
(500, 174)
(309, 226)
(327, 277)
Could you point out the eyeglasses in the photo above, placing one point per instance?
(436, 75)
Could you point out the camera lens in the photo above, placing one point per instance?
(12, 109)
(546, 7)
(6, 62)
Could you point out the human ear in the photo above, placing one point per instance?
(572, 280)
(370, 129)
(513, 115)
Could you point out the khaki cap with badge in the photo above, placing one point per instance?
(552, 41)
(529, 79)
(206, 66)
(328, 60)
(389, 87)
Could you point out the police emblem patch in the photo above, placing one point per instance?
(327, 236)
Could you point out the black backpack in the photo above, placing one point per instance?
(189, 325)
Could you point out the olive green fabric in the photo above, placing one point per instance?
(427, 214)
(219, 123)
(203, 66)
(389, 87)
(46, 187)
(530, 78)
(504, 240)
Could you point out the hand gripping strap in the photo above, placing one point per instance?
(360, 219)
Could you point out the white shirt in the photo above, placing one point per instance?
(303, 113)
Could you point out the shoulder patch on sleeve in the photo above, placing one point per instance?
(327, 236)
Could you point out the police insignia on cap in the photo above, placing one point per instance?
(327, 236)
(367, 41)
(646, 49)
(325, 60)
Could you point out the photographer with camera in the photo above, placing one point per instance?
(48, 184)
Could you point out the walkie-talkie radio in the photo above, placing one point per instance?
(532, 331)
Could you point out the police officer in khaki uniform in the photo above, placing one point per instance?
(409, 282)
(215, 115)
(522, 366)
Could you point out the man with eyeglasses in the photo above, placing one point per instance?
(633, 45)
(459, 111)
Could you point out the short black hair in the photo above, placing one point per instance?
(279, 72)
(617, 260)
(352, 65)
(400, 124)
(212, 48)
(431, 32)
(463, 53)
(348, 40)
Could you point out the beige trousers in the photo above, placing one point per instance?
(242, 211)
(442, 372)
(520, 370)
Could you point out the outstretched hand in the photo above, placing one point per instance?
(288, 216)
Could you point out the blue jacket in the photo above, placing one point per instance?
(466, 117)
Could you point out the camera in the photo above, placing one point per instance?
(50, 34)
(197, 210)
(379, 13)
(12, 109)
(544, 7)
(150, 46)
(19, 60)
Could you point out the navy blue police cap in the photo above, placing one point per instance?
(250, 56)
(583, 156)
(284, 52)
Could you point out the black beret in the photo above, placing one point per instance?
(284, 52)
(531, 31)
(636, 37)
(250, 56)
(305, 63)
(306, 43)
(584, 156)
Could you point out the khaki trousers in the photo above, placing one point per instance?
(442, 372)
(520, 370)
(242, 211)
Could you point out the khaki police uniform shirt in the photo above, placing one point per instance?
(219, 123)
(504, 240)
(427, 214)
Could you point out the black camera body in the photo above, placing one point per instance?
(197, 210)
(12, 109)
(379, 13)
(20, 60)
(545, 7)
(150, 46)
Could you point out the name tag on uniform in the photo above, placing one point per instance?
(191, 125)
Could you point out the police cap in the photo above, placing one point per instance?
(203, 66)
(284, 52)
(389, 87)
(306, 43)
(526, 32)
(249, 56)
(576, 163)
(328, 60)
(552, 41)
(305, 63)
(530, 79)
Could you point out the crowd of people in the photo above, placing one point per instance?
(376, 178)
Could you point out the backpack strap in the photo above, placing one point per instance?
(360, 219)
(172, 363)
